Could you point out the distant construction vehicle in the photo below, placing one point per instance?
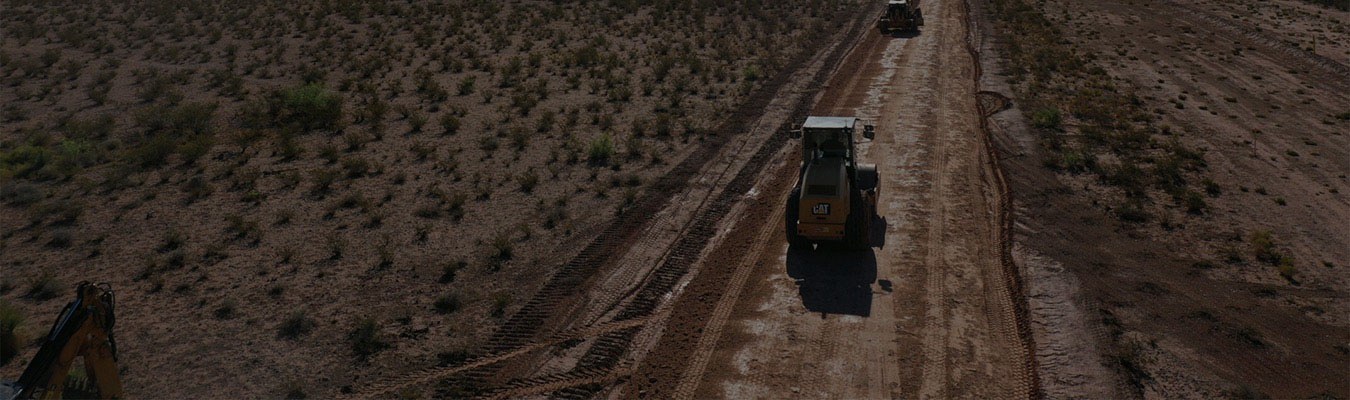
(835, 198)
(84, 329)
(901, 16)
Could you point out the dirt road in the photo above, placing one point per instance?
(926, 314)
(709, 301)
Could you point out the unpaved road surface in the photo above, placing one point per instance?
(925, 314)
(1181, 306)
(708, 300)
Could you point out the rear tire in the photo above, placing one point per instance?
(791, 216)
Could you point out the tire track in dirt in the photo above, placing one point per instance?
(1335, 71)
(690, 248)
(388, 387)
(703, 351)
(1016, 320)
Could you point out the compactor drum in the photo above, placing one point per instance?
(835, 198)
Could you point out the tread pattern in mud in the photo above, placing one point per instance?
(988, 104)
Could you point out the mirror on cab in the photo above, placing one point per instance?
(869, 131)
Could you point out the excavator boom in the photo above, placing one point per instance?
(84, 329)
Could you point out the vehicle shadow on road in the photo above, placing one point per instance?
(878, 231)
(834, 281)
(901, 34)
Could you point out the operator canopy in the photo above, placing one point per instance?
(829, 123)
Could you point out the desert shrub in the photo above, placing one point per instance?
(1286, 268)
(197, 188)
(153, 152)
(20, 193)
(241, 227)
(1077, 161)
(365, 340)
(89, 128)
(295, 391)
(61, 238)
(499, 304)
(1337, 4)
(10, 321)
(69, 157)
(1046, 118)
(323, 179)
(1212, 188)
(601, 149)
(304, 108)
(1131, 211)
(311, 107)
(61, 212)
(428, 212)
(1128, 177)
(416, 121)
(449, 124)
(43, 287)
(447, 304)
(1265, 250)
(24, 161)
(187, 119)
(466, 86)
(528, 180)
(336, 248)
(1263, 247)
(546, 121)
(1195, 203)
(448, 271)
(356, 167)
(296, 325)
(520, 139)
(194, 148)
(225, 310)
(502, 248)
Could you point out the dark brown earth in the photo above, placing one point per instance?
(435, 236)
(1000, 268)
(1183, 305)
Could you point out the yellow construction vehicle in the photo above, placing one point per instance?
(901, 16)
(84, 330)
(835, 197)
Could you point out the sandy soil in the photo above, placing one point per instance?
(210, 257)
(993, 276)
(1181, 306)
(926, 314)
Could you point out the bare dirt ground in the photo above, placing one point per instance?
(927, 314)
(1161, 218)
(708, 301)
(154, 147)
(1245, 297)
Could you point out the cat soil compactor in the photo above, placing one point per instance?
(84, 329)
(835, 198)
(901, 16)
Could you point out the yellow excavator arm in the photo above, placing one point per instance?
(84, 329)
